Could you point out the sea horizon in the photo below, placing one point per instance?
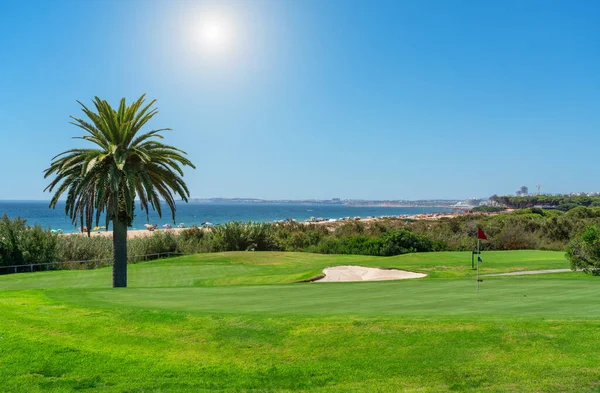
(37, 212)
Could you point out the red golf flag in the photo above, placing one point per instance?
(480, 234)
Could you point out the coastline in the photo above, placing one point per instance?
(38, 213)
(136, 233)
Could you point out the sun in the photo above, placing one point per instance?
(215, 33)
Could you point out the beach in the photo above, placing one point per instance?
(136, 233)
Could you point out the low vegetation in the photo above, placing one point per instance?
(488, 209)
(560, 202)
(524, 229)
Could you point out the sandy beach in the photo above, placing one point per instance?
(135, 233)
(131, 234)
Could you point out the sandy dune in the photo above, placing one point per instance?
(359, 273)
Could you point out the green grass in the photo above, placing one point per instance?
(256, 268)
(240, 322)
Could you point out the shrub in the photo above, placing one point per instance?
(356, 245)
(557, 229)
(351, 228)
(237, 236)
(292, 236)
(10, 253)
(514, 237)
(393, 242)
(82, 248)
(157, 243)
(195, 240)
(488, 209)
(403, 241)
(580, 212)
(565, 207)
(22, 244)
(38, 246)
(584, 251)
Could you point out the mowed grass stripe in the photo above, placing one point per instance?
(50, 346)
(505, 296)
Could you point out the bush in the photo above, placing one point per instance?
(403, 241)
(157, 243)
(22, 244)
(236, 236)
(393, 242)
(195, 240)
(580, 212)
(10, 230)
(349, 229)
(37, 245)
(82, 248)
(356, 245)
(565, 207)
(514, 237)
(584, 251)
(488, 209)
(293, 236)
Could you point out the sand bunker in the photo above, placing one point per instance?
(359, 273)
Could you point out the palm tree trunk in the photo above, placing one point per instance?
(119, 254)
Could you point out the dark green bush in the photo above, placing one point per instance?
(393, 242)
(38, 245)
(584, 251)
(565, 207)
(403, 241)
(237, 236)
(22, 244)
(488, 209)
(581, 212)
(356, 245)
(10, 253)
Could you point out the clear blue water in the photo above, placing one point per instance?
(37, 212)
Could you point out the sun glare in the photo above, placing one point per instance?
(215, 33)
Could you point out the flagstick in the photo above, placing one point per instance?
(477, 264)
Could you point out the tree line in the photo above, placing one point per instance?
(562, 203)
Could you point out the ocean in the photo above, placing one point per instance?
(196, 213)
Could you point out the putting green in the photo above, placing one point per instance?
(552, 298)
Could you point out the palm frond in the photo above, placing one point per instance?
(124, 165)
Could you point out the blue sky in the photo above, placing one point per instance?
(318, 99)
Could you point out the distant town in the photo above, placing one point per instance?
(348, 202)
(465, 204)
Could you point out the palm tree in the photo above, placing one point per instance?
(123, 164)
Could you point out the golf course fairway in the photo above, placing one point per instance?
(251, 322)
